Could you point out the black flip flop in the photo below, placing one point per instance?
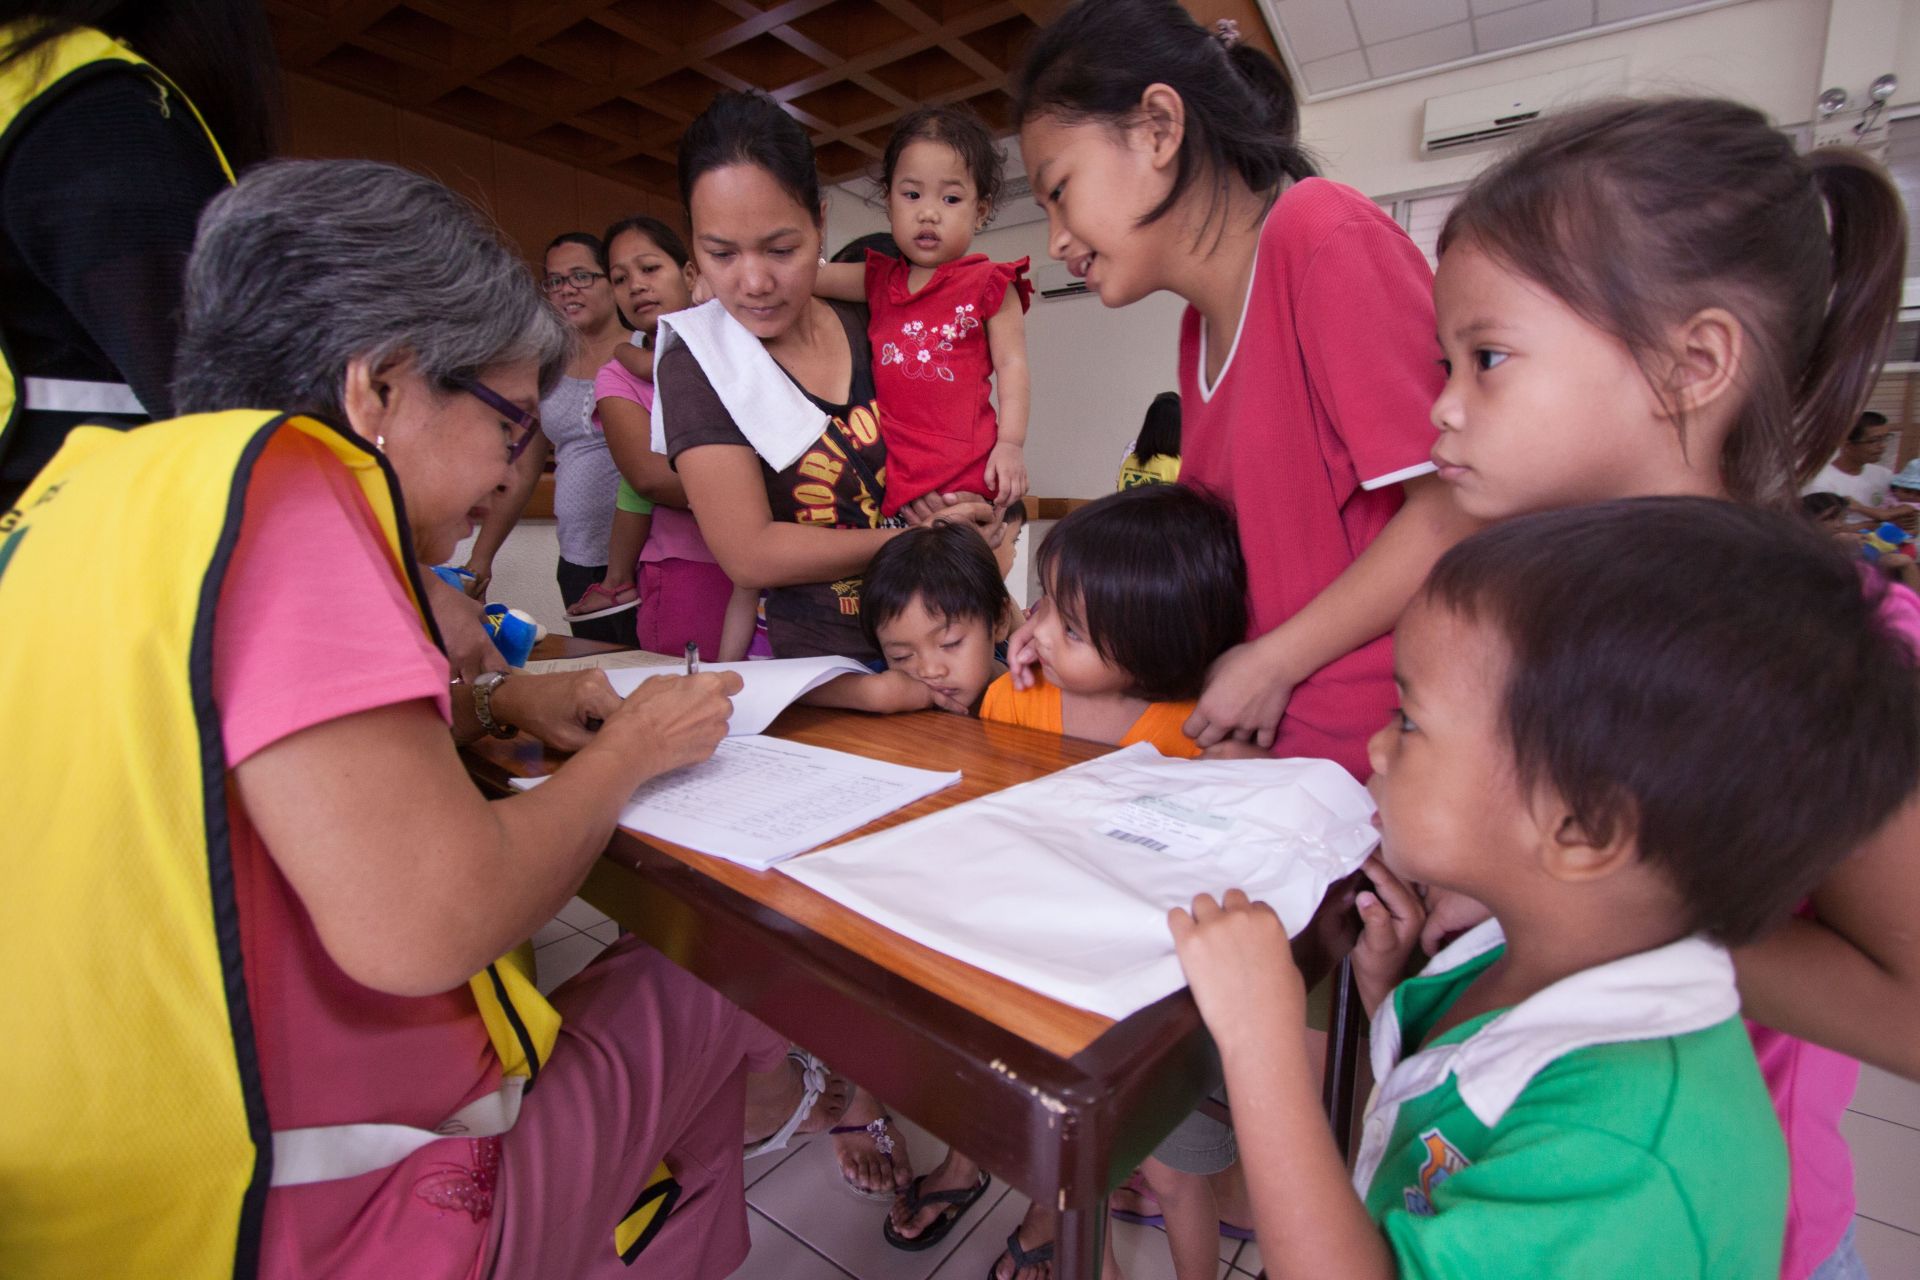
(959, 1201)
(1022, 1258)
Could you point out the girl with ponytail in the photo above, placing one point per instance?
(1662, 297)
(1167, 157)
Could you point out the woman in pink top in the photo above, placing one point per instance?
(371, 878)
(1166, 159)
(684, 593)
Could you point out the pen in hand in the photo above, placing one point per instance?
(693, 658)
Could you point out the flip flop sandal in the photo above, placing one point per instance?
(609, 602)
(1034, 1257)
(884, 1142)
(959, 1201)
(813, 1082)
(1228, 1231)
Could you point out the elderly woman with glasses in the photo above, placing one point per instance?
(259, 919)
(574, 278)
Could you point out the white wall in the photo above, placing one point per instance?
(1766, 52)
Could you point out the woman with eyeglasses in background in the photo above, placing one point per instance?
(574, 278)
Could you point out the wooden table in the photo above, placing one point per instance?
(1059, 1102)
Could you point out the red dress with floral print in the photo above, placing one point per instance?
(932, 371)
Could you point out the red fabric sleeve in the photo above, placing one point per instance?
(1000, 276)
(1365, 317)
(879, 268)
(314, 621)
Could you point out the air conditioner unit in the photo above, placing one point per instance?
(1053, 280)
(1476, 116)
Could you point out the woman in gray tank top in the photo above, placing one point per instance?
(585, 478)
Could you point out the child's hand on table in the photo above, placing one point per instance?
(1391, 917)
(1007, 474)
(1239, 963)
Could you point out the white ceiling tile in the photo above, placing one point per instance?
(1336, 72)
(1428, 49)
(1540, 21)
(1483, 7)
(1316, 29)
(1619, 10)
(1390, 19)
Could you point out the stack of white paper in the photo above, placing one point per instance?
(760, 800)
(768, 688)
(1063, 884)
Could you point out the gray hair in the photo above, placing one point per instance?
(307, 264)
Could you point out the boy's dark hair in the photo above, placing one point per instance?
(1015, 515)
(1822, 506)
(1715, 679)
(750, 128)
(1638, 214)
(855, 250)
(664, 237)
(958, 127)
(1241, 115)
(1155, 577)
(1160, 432)
(949, 568)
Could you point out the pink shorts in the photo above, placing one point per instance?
(651, 1064)
(681, 601)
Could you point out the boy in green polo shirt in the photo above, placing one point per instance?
(1623, 730)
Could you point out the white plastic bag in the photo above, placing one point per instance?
(1063, 884)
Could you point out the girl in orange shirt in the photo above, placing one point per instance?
(1144, 589)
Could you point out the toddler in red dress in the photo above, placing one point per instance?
(939, 331)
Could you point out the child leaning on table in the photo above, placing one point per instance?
(935, 603)
(1610, 717)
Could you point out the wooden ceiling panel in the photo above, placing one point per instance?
(608, 86)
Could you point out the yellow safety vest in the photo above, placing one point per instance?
(27, 87)
(136, 1140)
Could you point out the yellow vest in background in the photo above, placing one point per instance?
(27, 86)
(135, 1140)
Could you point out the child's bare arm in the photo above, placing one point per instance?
(737, 627)
(1007, 344)
(1850, 979)
(1248, 687)
(842, 281)
(1240, 966)
(637, 361)
(883, 694)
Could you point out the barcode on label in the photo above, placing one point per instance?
(1133, 838)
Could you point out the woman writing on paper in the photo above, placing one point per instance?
(270, 894)
(761, 463)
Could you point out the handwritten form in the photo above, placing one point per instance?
(760, 800)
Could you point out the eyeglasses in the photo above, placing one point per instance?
(579, 278)
(527, 422)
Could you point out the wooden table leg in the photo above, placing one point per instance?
(1077, 1242)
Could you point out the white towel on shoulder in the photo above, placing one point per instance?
(772, 413)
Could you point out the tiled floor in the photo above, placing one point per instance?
(806, 1226)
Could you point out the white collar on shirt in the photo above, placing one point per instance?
(1672, 990)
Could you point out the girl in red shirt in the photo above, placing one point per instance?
(1165, 157)
(940, 331)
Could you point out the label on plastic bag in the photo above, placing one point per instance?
(1162, 824)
